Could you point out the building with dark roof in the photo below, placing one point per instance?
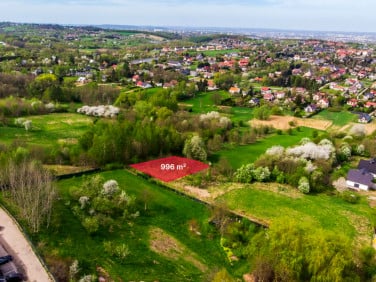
(368, 165)
(360, 179)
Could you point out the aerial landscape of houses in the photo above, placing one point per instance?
(176, 150)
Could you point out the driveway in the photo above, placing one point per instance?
(16, 244)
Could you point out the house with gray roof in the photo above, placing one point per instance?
(360, 180)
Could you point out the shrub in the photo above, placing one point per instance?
(261, 174)
(350, 197)
(304, 185)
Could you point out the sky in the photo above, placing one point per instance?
(322, 15)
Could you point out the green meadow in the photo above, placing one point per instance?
(48, 129)
(338, 118)
(244, 154)
(197, 253)
(322, 211)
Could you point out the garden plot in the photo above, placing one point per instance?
(170, 168)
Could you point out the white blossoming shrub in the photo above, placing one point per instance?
(99, 111)
(19, 121)
(304, 185)
(83, 200)
(345, 151)
(209, 116)
(310, 167)
(304, 141)
(262, 174)
(275, 151)
(360, 149)
(26, 123)
(50, 107)
(73, 269)
(358, 130)
(87, 278)
(110, 188)
(312, 151)
(224, 122)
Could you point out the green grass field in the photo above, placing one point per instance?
(203, 103)
(48, 129)
(67, 239)
(328, 212)
(338, 118)
(244, 154)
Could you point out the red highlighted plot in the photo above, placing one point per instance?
(171, 168)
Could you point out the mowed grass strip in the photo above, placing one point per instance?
(328, 212)
(165, 210)
(338, 118)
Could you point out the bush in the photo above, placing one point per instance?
(304, 185)
(350, 197)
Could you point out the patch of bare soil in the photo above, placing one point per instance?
(282, 122)
(196, 192)
(249, 277)
(340, 184)
(167, 246)
(370, 128)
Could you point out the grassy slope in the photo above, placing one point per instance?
(338, 118)
(239, 155)
(48, 129)
(328, 212)
(166, 210)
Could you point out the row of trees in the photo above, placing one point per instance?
(306, 166)
(296, 251)
(29, 186)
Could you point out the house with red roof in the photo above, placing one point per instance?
(352, 102)
(234, 90)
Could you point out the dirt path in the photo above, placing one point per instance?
(15, 242)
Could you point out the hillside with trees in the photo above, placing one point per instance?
(282, 124)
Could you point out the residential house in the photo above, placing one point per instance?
(311, 108)
(234, 90)
(370, 104)
(268, 97)
(211, 85)
(279, 94)
(266, 90)
(352, 102)
(364, 118)
(359, 180)
(174, 64)
(368, 165)
(254, 102)
(323, 103)
(144, 85)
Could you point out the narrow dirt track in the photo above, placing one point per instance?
(14, 241)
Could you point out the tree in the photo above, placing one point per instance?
(194, 148)
(32, 189)
(295, 251)
(244, 174)
(262, 113)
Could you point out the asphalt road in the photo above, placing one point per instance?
(16, 244)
